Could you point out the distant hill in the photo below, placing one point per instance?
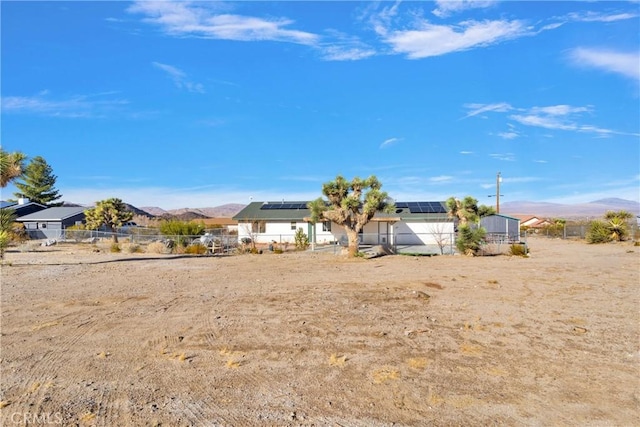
(596, 208)
(222, 211)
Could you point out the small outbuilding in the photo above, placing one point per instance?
(501, 228)
(50, 223)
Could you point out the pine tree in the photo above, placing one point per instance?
(38, 183)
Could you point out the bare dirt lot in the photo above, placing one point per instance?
(316, 339)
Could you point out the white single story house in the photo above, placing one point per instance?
(412, 223)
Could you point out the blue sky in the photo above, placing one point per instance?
(197, 104)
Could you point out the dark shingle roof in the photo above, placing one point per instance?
(53, 214)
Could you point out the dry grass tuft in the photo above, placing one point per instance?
(4, 403)
(385, 374)
(418, 362)
(335, 360)
(88, 417)
(470, 349)
(45, 325)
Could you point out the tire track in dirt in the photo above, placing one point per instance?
(43, 373)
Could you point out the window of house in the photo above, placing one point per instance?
(258, 227)
(326, 226)
(43, 225)
(293, 225)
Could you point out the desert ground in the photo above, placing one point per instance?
(315, 339)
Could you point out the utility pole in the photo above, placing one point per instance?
(498, 179)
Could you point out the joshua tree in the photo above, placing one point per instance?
(111, 213)
(351, 204)
(11, 166)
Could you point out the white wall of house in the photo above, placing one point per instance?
(422, 232)
(284, 231)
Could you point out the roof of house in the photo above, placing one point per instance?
(502, 216)
(298, 211)
(5, 204)
(53, 214)
(15, 205)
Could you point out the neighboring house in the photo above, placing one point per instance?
(501, 228)
(412, 223)
(531, 221)
(50, 223)
(22, 207)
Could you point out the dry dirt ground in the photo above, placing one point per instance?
(316, 339)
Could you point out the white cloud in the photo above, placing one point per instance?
(447, 7)
(626, 64)
(179, 78)
(434, 40)
(600, 17)
(466, 152)
(77, 106)
(508, 135)
(476, 109)
(203, 20)
(441, 178)
(506, 157)
(390, 141)
(560, 110)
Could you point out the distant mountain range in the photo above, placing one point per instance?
(222, 211)
(596, 208)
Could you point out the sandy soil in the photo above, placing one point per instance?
(316, 339)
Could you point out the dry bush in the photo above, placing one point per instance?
(158, 248)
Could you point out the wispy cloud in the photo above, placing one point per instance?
(77, 106)
(466, 152)
(600, 17)
(203, 20)
(556, 117)
(389, 142)
(509, 135)
(626, 64)
(505, 157)
(344, 47)
(477, 109)
(179, 78)
(448, 7)
(433, 40)
(440, 179)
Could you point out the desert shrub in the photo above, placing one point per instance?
(518, 249)
(132, 248)
(183, 230)
(470, 239)
(255, 250)
(158, 248)
(301, 240)
(598, 232)
(115, 248)
(277, 251)
(196, 249)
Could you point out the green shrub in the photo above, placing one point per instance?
(301, 240)
(183, 230)
(598, 232)
(518, 250)
(470, 239)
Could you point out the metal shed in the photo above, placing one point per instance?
(501, 228)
